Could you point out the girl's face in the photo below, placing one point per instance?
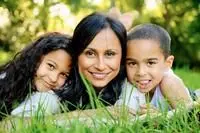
(53, 70)
(100, 61)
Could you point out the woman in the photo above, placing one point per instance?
(42, 66)
(100, 45)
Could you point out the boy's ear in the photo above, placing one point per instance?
(169, 61)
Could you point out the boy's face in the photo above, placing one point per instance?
(145, 64)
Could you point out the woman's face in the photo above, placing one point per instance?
(100, 61)
(53, 70)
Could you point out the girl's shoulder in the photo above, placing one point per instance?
(2, 75)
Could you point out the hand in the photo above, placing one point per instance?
(147, 108)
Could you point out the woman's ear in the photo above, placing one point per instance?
(169, 61)
(126, 18)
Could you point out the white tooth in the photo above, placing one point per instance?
(97, 75)
(144, 81)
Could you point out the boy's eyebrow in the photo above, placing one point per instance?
(130, 59)
(152, 59)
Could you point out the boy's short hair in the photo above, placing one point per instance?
(152, 32)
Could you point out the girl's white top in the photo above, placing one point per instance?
(39, 103)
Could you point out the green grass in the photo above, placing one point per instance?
(182, 121)
(103, 121)
(190, 78)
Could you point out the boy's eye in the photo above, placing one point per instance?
(51, 67)
(110, 53)
(90, 53)
(131, 64)
(150, 63)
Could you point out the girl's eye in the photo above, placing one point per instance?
(51, 67)
(110, 53)
(90, 53)
(64, 75)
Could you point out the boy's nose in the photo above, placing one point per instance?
(141, 71)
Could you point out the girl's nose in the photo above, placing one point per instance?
(53, 77)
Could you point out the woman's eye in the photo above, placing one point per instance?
(90, 53)
(110, 53)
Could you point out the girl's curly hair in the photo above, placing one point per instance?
(16, 76)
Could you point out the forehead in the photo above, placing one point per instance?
(105, 39)
(144, 48)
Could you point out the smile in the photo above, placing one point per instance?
(142, 84)
(50, 86)
(99, 76)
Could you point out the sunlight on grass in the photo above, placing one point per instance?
(190, 78)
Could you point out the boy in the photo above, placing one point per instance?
(148, 66)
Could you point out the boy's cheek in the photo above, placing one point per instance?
(130, 75)
(131, 79)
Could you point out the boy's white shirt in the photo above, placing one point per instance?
(133, 98)
(44, 103)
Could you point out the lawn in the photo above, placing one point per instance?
(190, 78)
(105, 120)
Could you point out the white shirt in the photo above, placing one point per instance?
(133, 98)
(39, 103)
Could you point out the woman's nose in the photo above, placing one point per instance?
(100, 64)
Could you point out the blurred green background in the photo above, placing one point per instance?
(21, 21)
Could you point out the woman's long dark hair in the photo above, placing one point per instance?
(84, 33)
(17, 75)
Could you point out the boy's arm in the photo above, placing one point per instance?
(173, 88)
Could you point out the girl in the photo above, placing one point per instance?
(42, 66)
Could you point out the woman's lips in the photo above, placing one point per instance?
(99, 75)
